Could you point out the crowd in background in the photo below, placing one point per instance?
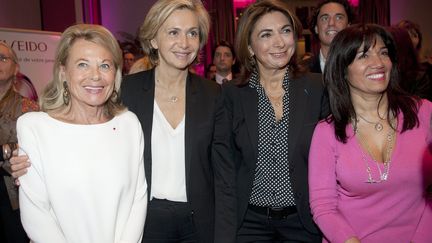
(415, 66)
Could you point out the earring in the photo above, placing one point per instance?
(66, 95)
(114, 97)
(252, 60)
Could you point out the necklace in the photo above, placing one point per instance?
(277, 99)
(377, 125)
(383, 175)
(171, 98)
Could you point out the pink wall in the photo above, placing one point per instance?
(124, 16)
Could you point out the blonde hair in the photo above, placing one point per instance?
(52, 97)
(140, 65)
(158, 14)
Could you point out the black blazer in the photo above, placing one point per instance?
(308, 105)
(315, 65)
(137, 93)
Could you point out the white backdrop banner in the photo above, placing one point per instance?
(35, 51)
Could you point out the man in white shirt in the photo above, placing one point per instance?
(223, 59)
(330, 17)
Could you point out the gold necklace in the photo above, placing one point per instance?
(383, 176)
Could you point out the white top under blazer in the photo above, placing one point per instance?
(168, 159)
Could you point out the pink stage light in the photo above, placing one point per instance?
(242, 3)
(354, 3)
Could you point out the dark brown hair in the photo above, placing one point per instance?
(348, 10)
(343, 50)
(246, 25)
(314, 19)
(225, 44)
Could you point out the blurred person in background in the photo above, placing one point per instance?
(12, 106)
(424, 85)
(413, 77)
(128, 61)
(142, 64)
(211, 71)
(224, 59)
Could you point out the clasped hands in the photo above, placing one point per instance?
(19, 165)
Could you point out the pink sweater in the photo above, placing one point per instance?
(344, 205)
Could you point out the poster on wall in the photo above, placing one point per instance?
(35, 51)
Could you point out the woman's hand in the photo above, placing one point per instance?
(353, 240)
(19, 165)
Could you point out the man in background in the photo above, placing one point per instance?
(330, 17)
(223, 59)
(128, 61)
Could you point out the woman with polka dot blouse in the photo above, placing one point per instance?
(272, 111)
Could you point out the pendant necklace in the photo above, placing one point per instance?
(377, 125)
(276, 100)
(383, 175)
(172, 98)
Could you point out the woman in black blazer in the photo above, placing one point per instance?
(177, 111)
(272, 111)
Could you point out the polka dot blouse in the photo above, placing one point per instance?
(272, 186)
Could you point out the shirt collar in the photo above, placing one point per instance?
(254, 79)
(322, 60)
(219, 78)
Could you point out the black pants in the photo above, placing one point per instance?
(11, 229)
(169, 222)
(258, 227)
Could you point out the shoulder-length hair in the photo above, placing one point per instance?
(343, 50)
(52, 97)
(157, 16)
(246, 26)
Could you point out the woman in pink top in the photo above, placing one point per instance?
(371, 160)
